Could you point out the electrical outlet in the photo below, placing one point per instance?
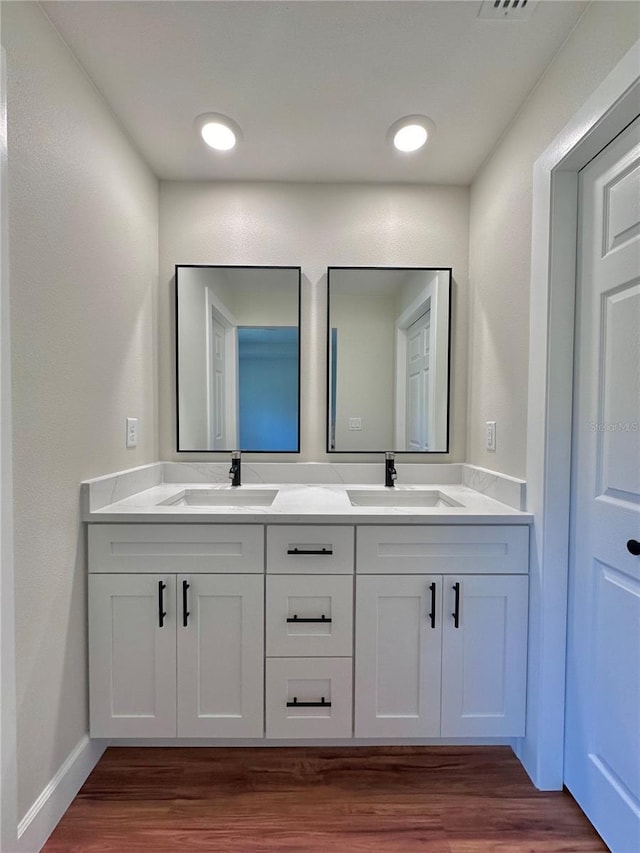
(355, 423)
(132, 432)
(490, 435)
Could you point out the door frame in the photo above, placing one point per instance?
(217, 310)
(436, 297)
(603, 116)
(8, 735)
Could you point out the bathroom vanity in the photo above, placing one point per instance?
(319, 611)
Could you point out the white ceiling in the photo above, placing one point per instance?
(313, 85)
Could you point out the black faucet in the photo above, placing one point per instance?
(234, 471)
(390, 472)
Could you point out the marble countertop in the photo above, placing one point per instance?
(306, 503)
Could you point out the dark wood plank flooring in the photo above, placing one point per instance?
(319, 800)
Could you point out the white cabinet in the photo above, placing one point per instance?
(176, 654)
(194, 627)
(441, 655)
(309, 631)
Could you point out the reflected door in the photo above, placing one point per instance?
(418, 377)
(602, 754)
(218, 376)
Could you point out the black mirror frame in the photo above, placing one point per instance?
(177, 267)
(328, 363)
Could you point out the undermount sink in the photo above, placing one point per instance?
(222, 496)
(397, 497)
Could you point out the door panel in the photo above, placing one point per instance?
(418, 384)
(602, 742)
(398, 656)
(484, 656)
(132, 659)
(220, 656)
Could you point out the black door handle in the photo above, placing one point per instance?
(633, 547)
(456, 606)
(161, 611)
(432, 615)
(185, 612)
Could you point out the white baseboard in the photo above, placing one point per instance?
(43, 816)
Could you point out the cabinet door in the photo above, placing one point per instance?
(132, 655)
(220, 656)
(484, 655)
(398, 652)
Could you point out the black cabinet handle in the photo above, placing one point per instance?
(432, 615)
(300, 552)
(456, 606)
(633, 547)
(161, 611)
(320, 704)
(297, 618)
(185, 612)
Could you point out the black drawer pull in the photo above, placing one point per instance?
(633, 547)
(300, 552)
(456, 609)
(297, 618)
(320, 704)
(161, 611)
(185, 612)
(432, 615)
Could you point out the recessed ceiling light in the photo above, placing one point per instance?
(218, 131)
(411, 132)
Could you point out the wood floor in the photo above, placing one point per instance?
(319, 800)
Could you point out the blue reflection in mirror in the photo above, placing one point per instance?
(268, 387)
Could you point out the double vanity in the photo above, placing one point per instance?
(315, 605)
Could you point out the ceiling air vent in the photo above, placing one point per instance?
(507, 10)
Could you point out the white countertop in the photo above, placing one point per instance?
(303, 503)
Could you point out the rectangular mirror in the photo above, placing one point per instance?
(388, 354)
(238, 358)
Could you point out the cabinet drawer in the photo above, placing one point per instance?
(443, 549)
(309, 616)
(308, 697)
(315, 550)
(165, 548)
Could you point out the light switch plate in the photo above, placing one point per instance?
(490, 435)
(355, 423)
(132, 432)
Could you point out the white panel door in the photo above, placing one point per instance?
(220, 655)
(602, 754)
(484, 655)
(132, 655)
(418, 376)
(217, 414)
(398, 652)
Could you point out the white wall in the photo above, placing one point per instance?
(83, 278)
(313, 226)
(365, 374)
(500, 232)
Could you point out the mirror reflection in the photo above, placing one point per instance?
(388, 351)
(238, 358)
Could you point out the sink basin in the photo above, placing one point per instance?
(396, 497)
(222, 496)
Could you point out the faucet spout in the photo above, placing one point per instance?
(236, 467)
(390, 472)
